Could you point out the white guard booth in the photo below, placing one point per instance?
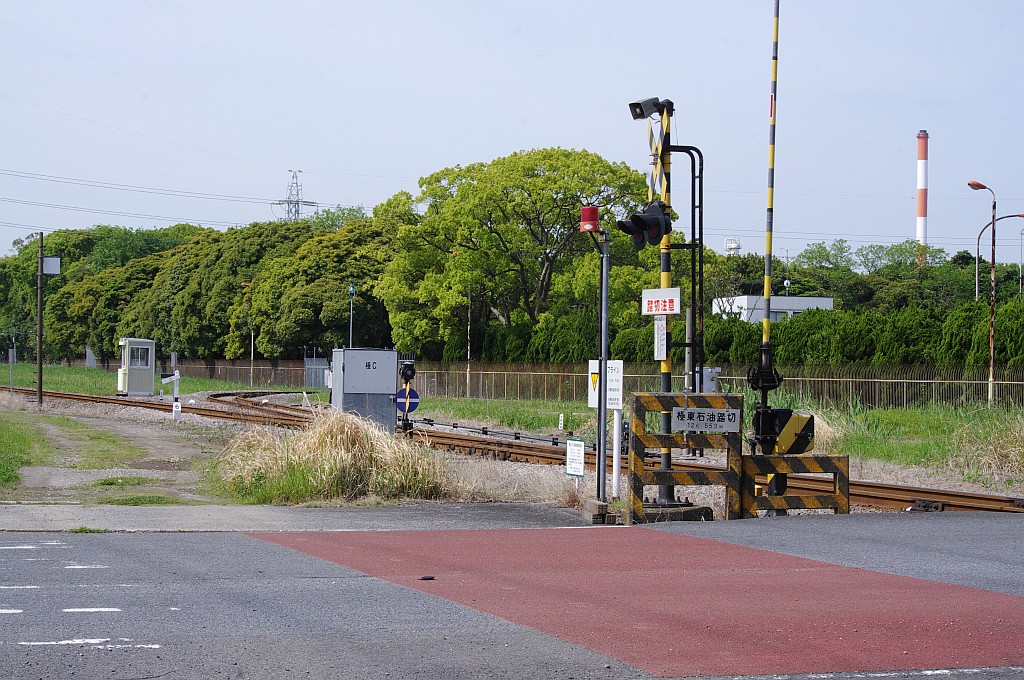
(364, 381)
(137, 374)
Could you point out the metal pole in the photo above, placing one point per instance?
(992, 314)
(977, 262)
(602, 378)
(469, 323)
(252, 350)
(39, 325)
(351, 305)
(666, 492)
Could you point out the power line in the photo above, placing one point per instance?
(133, 188)
(117, 212)
(174, 193)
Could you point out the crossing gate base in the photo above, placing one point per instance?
(730, 405)
(838, 500)
(738, 477)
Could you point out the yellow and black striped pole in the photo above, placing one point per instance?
(766, 323)
(661, 176)
(764, 377)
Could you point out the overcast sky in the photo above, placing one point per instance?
(225, 98)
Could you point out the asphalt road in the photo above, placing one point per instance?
(199, 604)
(122, 606)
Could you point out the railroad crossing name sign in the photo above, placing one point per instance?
(706, 419)
(407, 402)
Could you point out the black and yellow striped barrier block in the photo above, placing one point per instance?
(834, 464)
(722, 413)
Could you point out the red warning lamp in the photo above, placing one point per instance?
(588, 218)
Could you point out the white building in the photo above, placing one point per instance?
(751, 307)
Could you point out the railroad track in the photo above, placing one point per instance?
(234, 410)
(872, 494)
(251, 407)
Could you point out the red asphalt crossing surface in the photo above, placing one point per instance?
(675, 605)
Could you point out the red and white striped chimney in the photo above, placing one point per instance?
(922, 187)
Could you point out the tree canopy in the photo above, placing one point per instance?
(492, 251)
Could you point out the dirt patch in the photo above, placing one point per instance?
(165, 460)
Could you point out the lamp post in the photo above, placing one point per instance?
(977, 246)
(351, 304)
(992, 300)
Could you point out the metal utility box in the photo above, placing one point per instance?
(364, 382)
(137, 374)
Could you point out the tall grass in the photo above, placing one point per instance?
(340, 457)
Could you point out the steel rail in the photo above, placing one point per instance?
(872, 494)
(262, 417)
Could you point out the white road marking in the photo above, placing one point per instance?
(82, 641)
(86, 566)
(19, 547)
(12, 611)
(97, 643)
(19, 587)
(90, 610)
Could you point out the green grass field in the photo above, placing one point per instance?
(99, 382)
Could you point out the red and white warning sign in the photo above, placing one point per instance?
(660, 301)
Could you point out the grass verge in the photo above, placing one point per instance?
(21, 443)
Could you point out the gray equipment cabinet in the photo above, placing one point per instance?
(364, 382)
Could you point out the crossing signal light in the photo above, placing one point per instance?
(647, 227)
(408, 371)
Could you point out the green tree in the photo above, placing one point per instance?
(498, 234)
(303, 300)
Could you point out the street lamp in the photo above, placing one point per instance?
(977, 247)
(992, 300)
(1020, 265)
(351, 303)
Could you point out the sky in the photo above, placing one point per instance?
(213, 104)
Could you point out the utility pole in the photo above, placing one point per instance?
(39, 326)
(294, 200)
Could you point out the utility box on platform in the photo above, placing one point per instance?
(364, 382)
(137, 374)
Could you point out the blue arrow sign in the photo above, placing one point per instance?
(407, 405)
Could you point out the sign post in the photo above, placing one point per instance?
(176, 405)
(574, 451)
(613, 395)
